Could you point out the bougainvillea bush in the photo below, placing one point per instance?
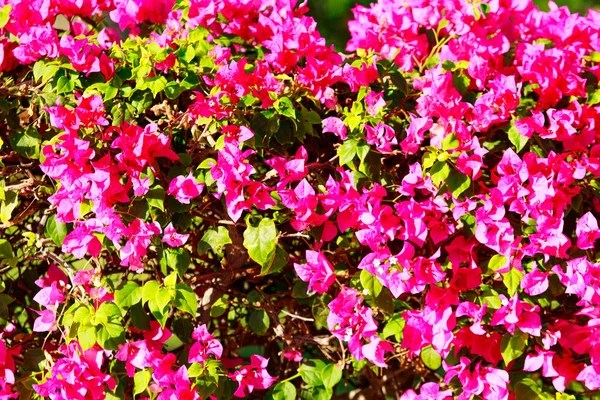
(202, 199)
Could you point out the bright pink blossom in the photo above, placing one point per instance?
(185, 189)
(253, 376)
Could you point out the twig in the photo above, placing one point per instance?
(289, 314)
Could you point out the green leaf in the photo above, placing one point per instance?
(428, 159)
(515, 137)
(277, 262)
(399, 81)
(347, 151)
(512, 347)
(218, 308)
(439, 172)
(195, 370)
(108, 311)
(26, 143)
(527, 389)
(6, 250)
(55, 230)
(461, 82)
(490, 297)
(431, 358)
(128, 295)
(450, 142)
(161, 314)
(331, 375)
(149, 290)
(394, 327)
(163, 297)
(594, 98)
(86, 335)
(64, 85)
(311, 374)
(362, 149)
(110, 335)
(186, 299)
(5, 15)
(370, 283)
(385, 302)
(189, 55)
(156, 198)
(110, 93)
(177, 259)
(594, 55)
(215, 240)
(497, 262)
(170, 280)
(173, 90)
(285, 107)
(141, 379)
(512, 280)
(157, 84)
(259, 321)
(139, 318)
(260, 241)
(458, 182)
(284, 391)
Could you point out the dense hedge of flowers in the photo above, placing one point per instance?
(202, 199)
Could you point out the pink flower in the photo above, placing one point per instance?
(374, 102)
(185, 189)
(587, 231)
(428, 391)
(535, 282)
(336, 126)
(77, 375)
(318, 272)
(37, 42)
(172, 238)
(293, 355)
(205, 344)
(518, 313)
(253, 376)
(352, 322)
(140, 233)
(382, 136)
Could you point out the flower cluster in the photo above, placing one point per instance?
(188, 184)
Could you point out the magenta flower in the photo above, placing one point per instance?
(172, 238)
(428, 391)
(185, 189)
(205, 344)
(318, 272)
(253, 376)
(382, 136)
(587, 231)
(336, 126)
(78, 375)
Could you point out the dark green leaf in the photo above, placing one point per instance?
(26, 143)
(458, 182)
(259, 321)
(276, 263)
